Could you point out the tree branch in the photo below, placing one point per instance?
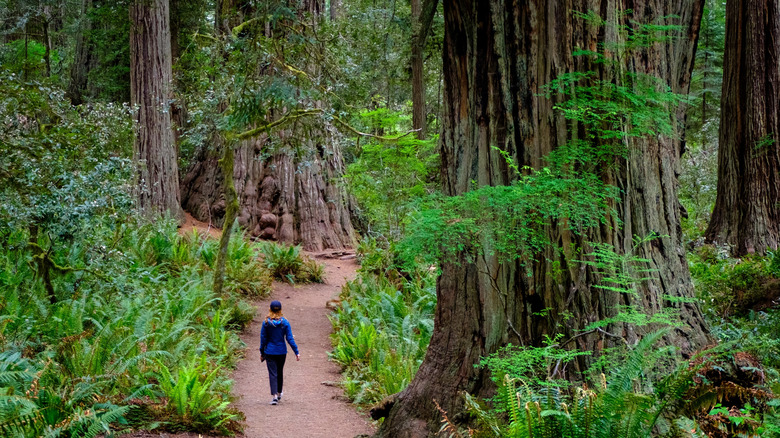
(292, 115)
(296, 114)
(354, 130)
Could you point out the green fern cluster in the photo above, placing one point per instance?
(624, 403)
(381, 333)
(195, 394)
(133, 302)
(171, 252)
(29, 409)
(287, 263)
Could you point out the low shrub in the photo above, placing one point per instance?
(244, 272)
(84, 354)
(287, 263)
(373, 256)
(284, 261)
(381, 334)
(732, 287)
(312, 271)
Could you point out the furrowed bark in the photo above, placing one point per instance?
(747, 214)
(497, 55)
(150, 81)
(290, 194)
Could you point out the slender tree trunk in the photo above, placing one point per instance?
(747, 214)
(231, 210)
(79, 70)
(335, 9)
(150, 82)
(706, 68)
(497, 55)
(418, 77)
(423, 12)
(46, 42)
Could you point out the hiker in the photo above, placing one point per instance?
(273, 350)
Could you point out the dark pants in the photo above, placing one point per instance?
(275, 363)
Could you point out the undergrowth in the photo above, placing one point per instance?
(629, 398)
(120, 330)
(287, 263)
(734, 286)
(381, 332)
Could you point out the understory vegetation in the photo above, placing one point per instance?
(382, 328)
(135, 337)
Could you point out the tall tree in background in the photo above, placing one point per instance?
(286, 181)
(698, 180)
(497, 55)
(83, 56)
(746, 213)
(418, 78)
(422, 17)
(151, 78)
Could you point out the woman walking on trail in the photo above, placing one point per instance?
(273, 350)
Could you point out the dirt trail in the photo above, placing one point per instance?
(309, 408)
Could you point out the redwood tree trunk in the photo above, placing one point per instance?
(287, 197)
(497, 55)
(291, 195)
(423, 12)
(150, 82)
(747, 214)
(335, 9)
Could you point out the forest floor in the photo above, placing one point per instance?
(313, 404)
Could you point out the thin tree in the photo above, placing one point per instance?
(497, 56)
(747, 210)
(422, 17)
(151, 77)
(79, 69)
(228, 16)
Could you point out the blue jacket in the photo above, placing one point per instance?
(273, 334)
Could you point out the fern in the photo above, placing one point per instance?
(284, 261)
(623, 405)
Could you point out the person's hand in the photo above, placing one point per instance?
(298, 357)
(262, 358)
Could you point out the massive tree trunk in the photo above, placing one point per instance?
(289, 197)
(290, 194)
(150, 81)
(497, 55)
(747, 214)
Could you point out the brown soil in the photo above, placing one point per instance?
(190, 223)
(313, 405)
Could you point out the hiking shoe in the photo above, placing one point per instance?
(275, 401)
